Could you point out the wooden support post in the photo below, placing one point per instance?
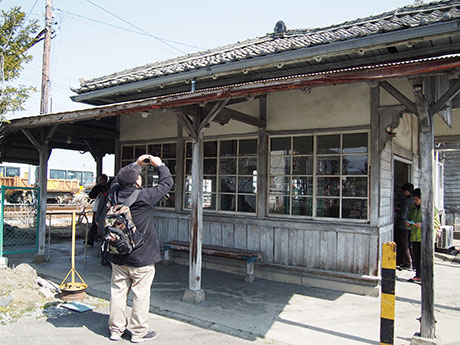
(195, 294)
(99, 165)
(179, 167)
(426, 147)
(98, 156)
(375, 156)
(44, 154)
(262, 162)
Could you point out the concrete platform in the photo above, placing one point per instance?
(276, 313)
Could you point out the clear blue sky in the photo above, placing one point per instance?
(85, 46)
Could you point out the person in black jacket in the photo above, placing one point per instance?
(99, 194)
(135, 271)
(402, 233)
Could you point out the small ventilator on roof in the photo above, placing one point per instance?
(280, 28)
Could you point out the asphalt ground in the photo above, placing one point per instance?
(235, 312)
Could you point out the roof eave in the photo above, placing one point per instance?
(424, 32)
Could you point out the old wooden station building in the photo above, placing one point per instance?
(291, 144)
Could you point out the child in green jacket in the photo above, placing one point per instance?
(414, 223)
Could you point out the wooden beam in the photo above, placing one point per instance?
(332, 77)
(239, 116)
(98, 155)
(212, 114)
(81, 131)
(29, 135)
(50, 133)
(426, 147)
(399, 96)
(187, 123)
(448, 95)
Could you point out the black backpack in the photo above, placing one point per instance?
(119, 222)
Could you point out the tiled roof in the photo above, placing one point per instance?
(402, 18)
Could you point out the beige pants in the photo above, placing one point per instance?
(139, 281)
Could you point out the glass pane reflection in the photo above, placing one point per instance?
(354, 165)
(302, 206)
(328, 165)
(247, 203)
(354, 208)
(327, 208)
(278, 204)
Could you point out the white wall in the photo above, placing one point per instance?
(250, 108)
(407, 133)
(440, 127)
(155, 126)
(324, 107)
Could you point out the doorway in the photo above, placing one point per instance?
(401, 175)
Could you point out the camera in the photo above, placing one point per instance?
(147, 160)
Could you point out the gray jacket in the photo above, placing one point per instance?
(403, 213)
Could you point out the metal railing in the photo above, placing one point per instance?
(19, 219)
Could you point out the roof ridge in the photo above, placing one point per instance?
(253, 47)
(428, 7)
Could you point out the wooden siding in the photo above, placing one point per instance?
(351, 248)
(386, 186)
(452, 187)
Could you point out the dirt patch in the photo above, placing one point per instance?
(24, 294)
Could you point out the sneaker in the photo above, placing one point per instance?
(115, 336)
(149, 336)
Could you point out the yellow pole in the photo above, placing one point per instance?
(73, 248)
(387, 311)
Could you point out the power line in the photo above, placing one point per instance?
(126, 29)
(88, 21)
(136, 27)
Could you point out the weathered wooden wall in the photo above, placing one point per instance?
(336, 245)
(452, 187)
(350, 248)
(386, 186)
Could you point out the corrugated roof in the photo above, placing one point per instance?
(273, 43)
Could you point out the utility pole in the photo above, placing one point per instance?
(42, 143)
(46, 59)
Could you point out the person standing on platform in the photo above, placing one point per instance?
(414, 222)
(402, 232)
(99, 194)
(135, 271)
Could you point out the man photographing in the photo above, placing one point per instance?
(135, 271)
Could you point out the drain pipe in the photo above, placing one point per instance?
(193, 85)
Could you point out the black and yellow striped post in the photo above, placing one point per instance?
(387, 311)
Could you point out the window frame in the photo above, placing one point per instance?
(145, 173)
(218, 175)
(315, 175)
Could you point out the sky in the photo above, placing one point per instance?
(99, 37)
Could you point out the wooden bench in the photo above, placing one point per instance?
(250, 256)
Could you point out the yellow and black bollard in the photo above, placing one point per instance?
(387, 311)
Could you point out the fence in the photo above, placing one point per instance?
(19, 219)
